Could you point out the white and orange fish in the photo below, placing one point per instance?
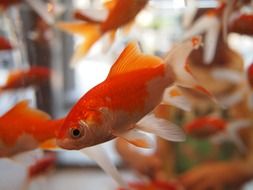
(121, 12)
(218, 129)
(210, 25)
(24, 128)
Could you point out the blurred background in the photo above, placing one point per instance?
(157, 28)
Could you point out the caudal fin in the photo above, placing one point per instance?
(89, 31)
(177, 59)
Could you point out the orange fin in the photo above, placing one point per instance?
(90, 32)
(132, 59)
(22, 109)
(137, 138)
(109, 4)
(49, 145)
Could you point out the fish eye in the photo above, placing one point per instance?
(78, 131)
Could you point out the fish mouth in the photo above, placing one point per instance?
(69, 144)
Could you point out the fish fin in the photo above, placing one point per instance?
(211, 39)
(231, 99)
(98, 154)
(161, 127)
(233, 132)
(49, 145)
(109, 4)
(22, 109)
(227, 75)
(41, 9)
(136, 138)
(189, 13)
(132, 59)
(91, 33)
(174, 97)
(177, 59)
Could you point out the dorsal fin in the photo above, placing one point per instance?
(132, 59)
(22, 109)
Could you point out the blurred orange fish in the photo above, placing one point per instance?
(34, 76)
(133, 88)
(218, 130)
(242, 24)
(204, 127)
(24, 128)
(122, 13)
(4, 44)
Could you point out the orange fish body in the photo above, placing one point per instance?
(23, 128)
(34, 76)
(121, 13)
(133, 88)
(4, 44)
(113, 105)
(242, 24)
(205, 126)
(250, 75)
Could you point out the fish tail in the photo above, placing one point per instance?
(91, 33)
(177, 59)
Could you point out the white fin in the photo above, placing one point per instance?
(189, 13)
(177, 59)
(41, 8)
(232, 99)
(98, 154)
(211, 39)
(227, 75)
(161, 127)
(137, 138)
(233, 132)
(173, 96)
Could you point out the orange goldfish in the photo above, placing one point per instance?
(217, 129)
(34, 76)
(133, 88)
(24, 128)
(4, 44)
(205, 126)
(242, 24)
(122, 13)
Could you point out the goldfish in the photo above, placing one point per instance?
(210, 24)
(5, 44)
(104, 112)
(34, 76)
(23, 128)
(242, 24)
(217, 129)
(121, 12)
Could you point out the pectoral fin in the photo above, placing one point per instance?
(174, 96)
(162, 128)
(137, 138)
